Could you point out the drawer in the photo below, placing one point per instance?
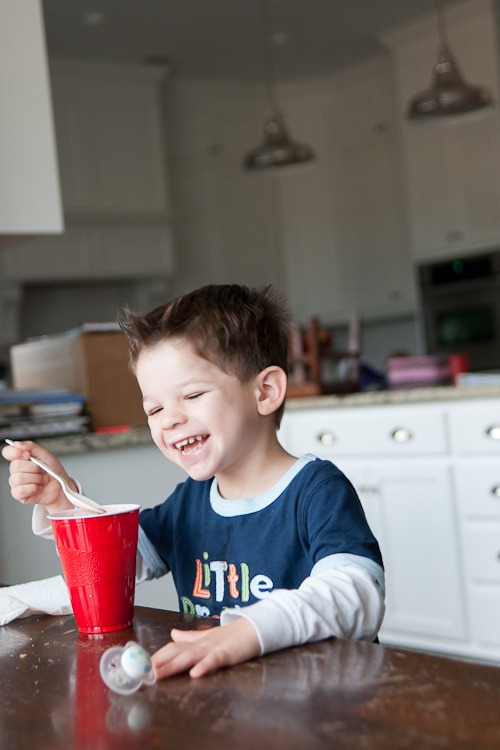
(477, 488)
(475, 427)
(482, 552)
(484, 609)
(360, 432)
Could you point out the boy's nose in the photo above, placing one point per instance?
(171, 419)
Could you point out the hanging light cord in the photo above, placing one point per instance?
(269, 71)
(440, 23)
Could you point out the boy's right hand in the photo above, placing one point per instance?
(29, 483)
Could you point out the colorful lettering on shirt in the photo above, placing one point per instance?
(229, 580)
(233, 579)
(198, 590)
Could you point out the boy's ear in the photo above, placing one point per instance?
(271, 389)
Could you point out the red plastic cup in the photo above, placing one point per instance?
(98, 558)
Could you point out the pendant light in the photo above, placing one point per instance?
(448, 94)
(277, 148)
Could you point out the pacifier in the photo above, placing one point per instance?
(125, 669)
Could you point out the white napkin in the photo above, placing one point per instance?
(48, 596)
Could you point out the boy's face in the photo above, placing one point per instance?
(200, 417)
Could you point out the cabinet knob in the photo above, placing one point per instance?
(493, 432)
(368, 489)
(495, 491)
(326, 438)
(401, 435)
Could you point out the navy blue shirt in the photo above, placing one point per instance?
(227, 553)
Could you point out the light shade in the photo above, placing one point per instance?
(448, 94)
(276, 149)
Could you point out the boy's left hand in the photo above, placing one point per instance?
(204, 651)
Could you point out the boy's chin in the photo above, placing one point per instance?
(199, 475)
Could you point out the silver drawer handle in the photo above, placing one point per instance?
(368, 489)
(326, 438)
(494, 432)
(401, 435)
(495, 491)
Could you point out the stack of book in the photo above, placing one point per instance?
(27, 414)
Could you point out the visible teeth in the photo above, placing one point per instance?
(188, 441)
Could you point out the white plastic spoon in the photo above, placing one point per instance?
(76, 498)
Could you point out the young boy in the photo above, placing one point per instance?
(278, 546)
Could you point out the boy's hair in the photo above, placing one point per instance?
(241, 330)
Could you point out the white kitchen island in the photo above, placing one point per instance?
(425, 463)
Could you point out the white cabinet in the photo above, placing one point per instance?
(110, 140)
(428, 477)
(369, 211)
(453, 163)
(388, 431)
(476, 433)
(113, 173)
(396, 457)
(30, 199)
(409, 506)
(108, 250)
(344, 217)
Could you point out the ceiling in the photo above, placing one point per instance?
(222, 38)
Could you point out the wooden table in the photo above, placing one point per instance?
(334, 694)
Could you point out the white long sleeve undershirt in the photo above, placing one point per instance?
(345, 602)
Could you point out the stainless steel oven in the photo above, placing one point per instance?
(461, 308)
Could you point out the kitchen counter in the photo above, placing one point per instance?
(137, 436)
(66, 445)
(396, 396)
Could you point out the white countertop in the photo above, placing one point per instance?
(87, 442)
(396, 396)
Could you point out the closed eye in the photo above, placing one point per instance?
(154, 411)
(192, 396)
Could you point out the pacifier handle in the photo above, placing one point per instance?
(124, 669)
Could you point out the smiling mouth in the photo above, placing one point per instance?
(190, 445)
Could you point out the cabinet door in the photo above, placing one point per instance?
(384, 431)
(303, 196)
(369, 213)
(454, 162)
(409, 507)
(343, 216)
(130, 250)
(475, 428)
(420, 547)
(110, 141)
(374, 264)
(105, 251)
(455, 190)
(60, 257)
(30, 201)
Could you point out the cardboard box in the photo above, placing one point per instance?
(94, 364)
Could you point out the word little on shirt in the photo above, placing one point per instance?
(220, 581)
